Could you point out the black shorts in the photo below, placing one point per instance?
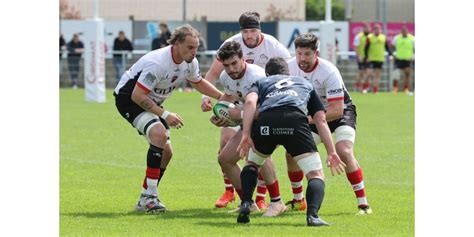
(129, 110)
(374, 64)
(286, 126)
(363, 65)
(349, 118)
(401, 64)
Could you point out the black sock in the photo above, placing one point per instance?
(162, 172)
(248, 179)
(153, 158)
(314, 196)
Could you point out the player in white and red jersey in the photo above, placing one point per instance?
(139, 97)
(257, 48)
(340, 111)
(237, 78)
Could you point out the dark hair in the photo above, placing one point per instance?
(307, 40)
(229, 49)
(277, 65)
(249, 20)
(164, 25)
(180, 33)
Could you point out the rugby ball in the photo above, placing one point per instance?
(221, 110)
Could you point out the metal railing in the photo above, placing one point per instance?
(346, 62)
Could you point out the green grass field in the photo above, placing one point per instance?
(102, 164)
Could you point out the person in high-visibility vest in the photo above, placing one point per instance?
(359, 46)
(375, 47)
(404, 44)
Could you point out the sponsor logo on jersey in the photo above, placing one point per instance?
(176, 70)
(335, 91)
(279, 93)
(164, 91)
(264, 130)
(264, 57)
(250, 53)
(150, 78)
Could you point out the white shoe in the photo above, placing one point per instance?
(150, 204)
(74, 87)
(275, 209)
(253, 208)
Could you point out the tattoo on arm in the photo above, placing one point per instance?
(147, 104)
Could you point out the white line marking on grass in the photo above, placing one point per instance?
(97, 162)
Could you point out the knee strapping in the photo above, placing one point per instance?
(345, 133)
(310, 163)
(255, 158)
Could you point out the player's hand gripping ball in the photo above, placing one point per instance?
(221, 110)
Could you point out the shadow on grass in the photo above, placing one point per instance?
(233, 224)
(195, 213)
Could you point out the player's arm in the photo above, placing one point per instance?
(335, 109)
(211, 76)
(366, 49)
(335, 96)
(140, 97)
(316, 110)
(249, 112)
(206, 88)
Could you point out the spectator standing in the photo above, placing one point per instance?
(62, 48)
(404, 44)
(121, 43)
(75, 49)
(162, 39)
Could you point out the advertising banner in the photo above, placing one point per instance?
(94, 60)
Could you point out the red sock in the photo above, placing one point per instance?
(366, 86)
(395, 83)
(151, 180)
(406, 86)
(228, 185)
(357, 85)
(261, 189)
(152, 173)
(357, 181)
(296, 179)
(274, 191)
(376, 89)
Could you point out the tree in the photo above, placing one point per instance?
(316, 10)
